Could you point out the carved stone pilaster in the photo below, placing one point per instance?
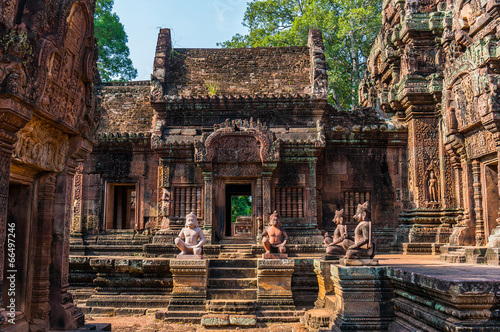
(76, 216)
(207, 224)
(40, 306)
(64, 314)
(266, 197)
(165, 173)
(478, 203)
(313, 194)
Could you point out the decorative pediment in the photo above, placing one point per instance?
(238, 141)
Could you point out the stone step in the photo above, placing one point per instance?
(238, 263)
(182, 308)
(278, 319)
(231, 306)
(226, 294)
(192, 317)
(239, 283)
(92, 327)
(132, 301)
(231, 272)
(235, 254)
(453, 258)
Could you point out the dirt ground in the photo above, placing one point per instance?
(150, 324)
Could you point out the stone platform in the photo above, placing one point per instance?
(406, 293)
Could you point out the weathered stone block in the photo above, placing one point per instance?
(274, 278)
(215, 320)
(362, 298)
(190, 278)
(243, 320)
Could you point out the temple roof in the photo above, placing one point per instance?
(243, 72)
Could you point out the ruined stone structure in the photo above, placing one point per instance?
(47, 127)
(435, 68)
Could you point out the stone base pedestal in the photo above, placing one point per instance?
(274, 256)
(362, 300)
(189, 293)
(274, 289)
(358, 262)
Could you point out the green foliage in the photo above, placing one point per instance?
(240, 206)
(212, 86)
(113, 62)
(349, 28)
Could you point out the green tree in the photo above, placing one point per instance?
(113, 60)
(240, 206)
(349, 28)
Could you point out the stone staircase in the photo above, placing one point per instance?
(470, 254)
(235, 251)
(452, 254)
(232, 290)
(183, 311)
(232, 286)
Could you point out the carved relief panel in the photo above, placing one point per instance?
(423, 159)
(69, 67)
(465, 113)
(42, 145)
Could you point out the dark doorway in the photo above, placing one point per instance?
(124, 207)
(238, 221)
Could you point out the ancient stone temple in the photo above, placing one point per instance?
(416, 168)
(210, 125)
(47, 127)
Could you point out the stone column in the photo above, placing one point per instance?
(64, 314)
(207, 224)
(478, 203)
(40, 306)
(258, 212)
(266, 197)
(313, 219)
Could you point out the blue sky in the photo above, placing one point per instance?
(194, 24)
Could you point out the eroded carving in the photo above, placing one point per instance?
(42, 145)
